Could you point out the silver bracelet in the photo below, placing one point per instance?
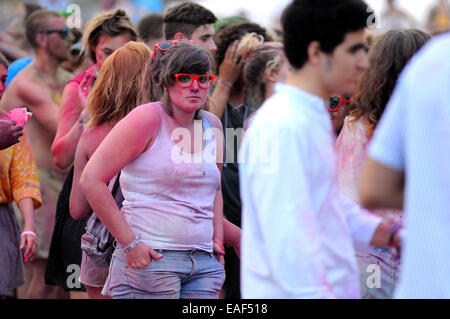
(133, 244)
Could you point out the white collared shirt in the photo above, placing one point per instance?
(414, 136)
(297, 229)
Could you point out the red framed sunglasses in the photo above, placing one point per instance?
(204, 81)
(166, 45)
(335, 102)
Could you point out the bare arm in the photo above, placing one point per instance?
(381, 186)
(79, 206)
(13, 52)
(40, 104)
(126, 141)
(218, 199)
(229, 71)
(232, 236)
(27, 211)
(69, 128)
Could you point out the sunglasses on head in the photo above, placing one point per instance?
(204, 81)
(335, 102)
(62, 32)
(166, 45)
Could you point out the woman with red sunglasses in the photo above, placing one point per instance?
(169, 231)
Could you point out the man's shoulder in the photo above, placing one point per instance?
(279, 111)
(64, 76)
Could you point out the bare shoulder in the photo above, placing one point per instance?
(30, 92)
(63, 76)
(216, 123)
(92, 137)
(146, 116)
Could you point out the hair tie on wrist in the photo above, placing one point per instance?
(226, 83)
(220, 244)
(29, 233)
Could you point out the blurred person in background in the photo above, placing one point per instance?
(387, 58)
(39, 87)
(189, 20)
(13, 43)
(150, 29)
(104, 34)
(19, 183)
(230, 102)
(299, 235)
(9, 131)
(395, 18)
(438, 20)
(125, 65)
(407, 168)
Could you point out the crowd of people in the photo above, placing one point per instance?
(186, 156)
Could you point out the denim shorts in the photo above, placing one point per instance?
(192, 274)
(91, 274)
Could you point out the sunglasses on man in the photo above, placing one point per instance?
(335, 102)
(204, 81)
(166, 45)
(64, 33)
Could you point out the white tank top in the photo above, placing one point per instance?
(170, 203)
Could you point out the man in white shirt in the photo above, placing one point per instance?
(299, 235)
(413, 139)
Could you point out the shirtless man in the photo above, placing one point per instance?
(39, 87)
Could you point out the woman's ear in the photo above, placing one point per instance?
(270, 75)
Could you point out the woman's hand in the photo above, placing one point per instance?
(141, 256)
(231, 67)
(28, 239)
(219, 252)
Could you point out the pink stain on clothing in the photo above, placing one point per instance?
(351, 147)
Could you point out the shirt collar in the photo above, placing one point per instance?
(311, 99)
(313, 102)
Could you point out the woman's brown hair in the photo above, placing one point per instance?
(115, 92)
(182, 58)
(107, 23)
(390, 53)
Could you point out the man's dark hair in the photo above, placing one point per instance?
(235, 31)
(186, 17)
(150, 27)
(325, 21)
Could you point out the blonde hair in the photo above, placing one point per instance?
(112, 23)
(248, 44)
(115, 92)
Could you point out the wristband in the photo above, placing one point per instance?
(29, 233)
(226, 83)
(133, 244)
(220, 244)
